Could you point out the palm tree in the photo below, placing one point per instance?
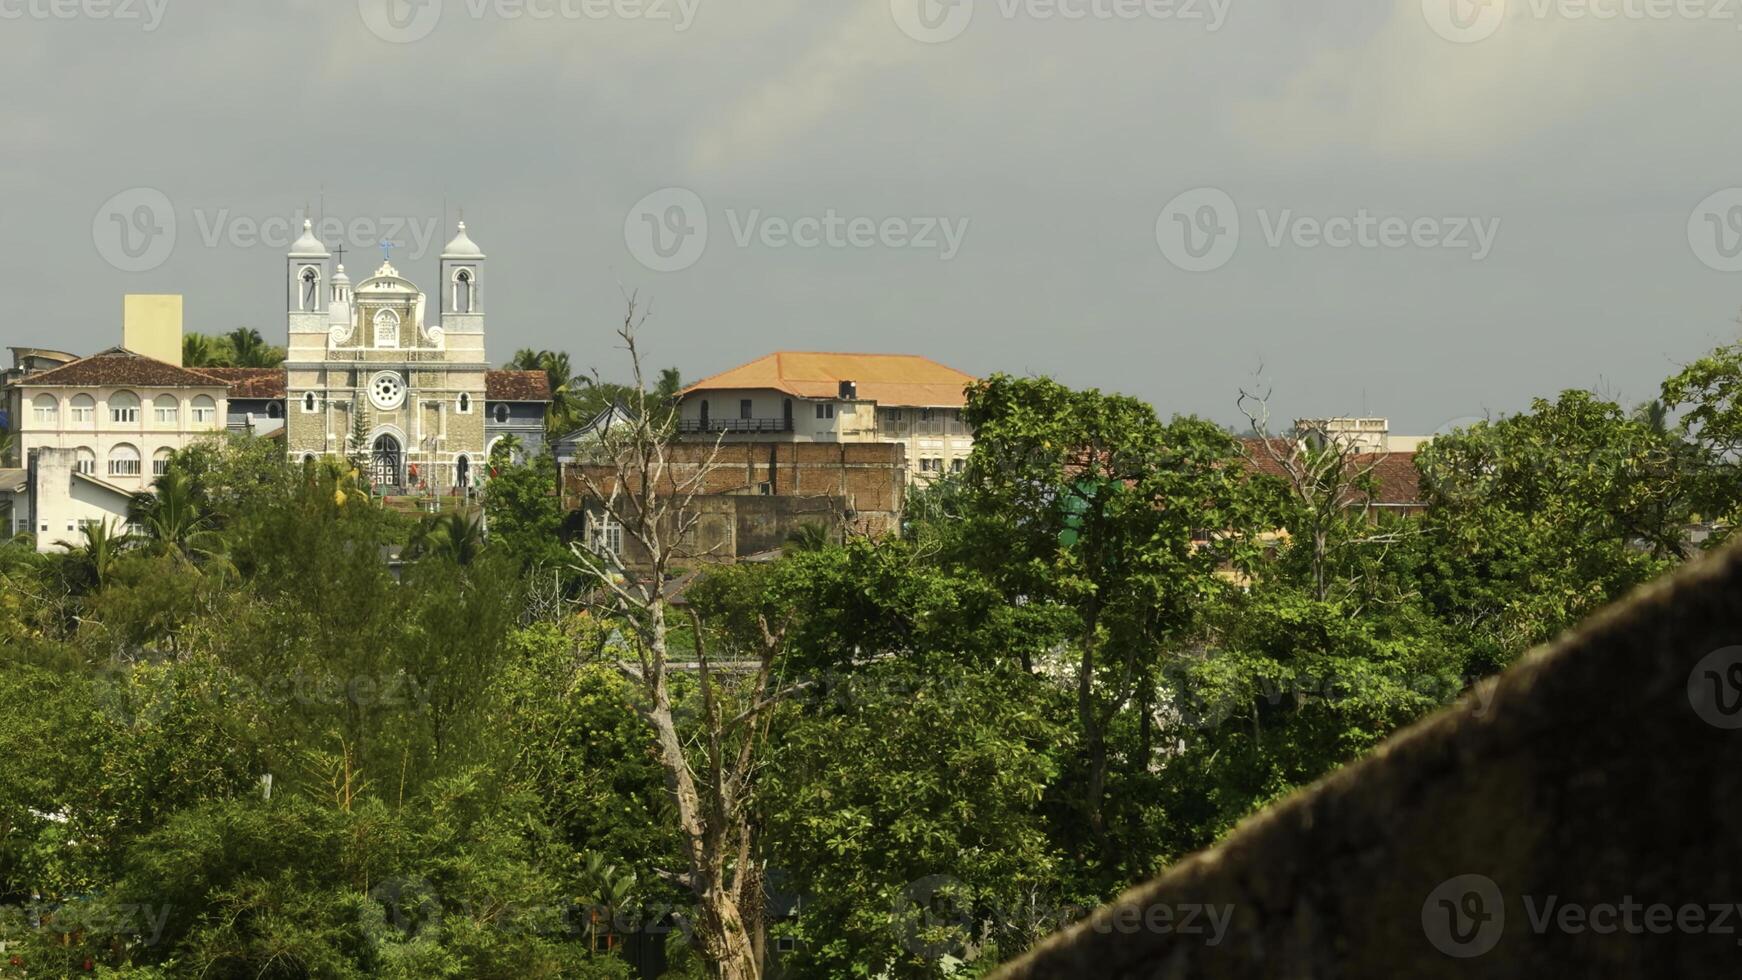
(104, 543)
(249, 349)
(668, 387)
(809, 536)
(173, 523)
(458, 537)
(199, 350)
(524, 359)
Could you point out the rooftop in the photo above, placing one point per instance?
(888, 379)
(119, 366)
(258, 383)
(517, 386)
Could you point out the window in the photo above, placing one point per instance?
(166, 409)
(825, 410)
(386, 329)
(84, 461)
(47, 409)
(746, 408)
(274, 410)
(931, 464)
(501, 413)
(84, 409)
(309, 403)
(205, 410)
(925, 415)
(310, 294)
(892, 415)
(958, 464)
(463, 291)
(786, 944)
(123, 407)
(387, 391)
(124, 461)
(606, 534)
(160, 462)
(465, 404)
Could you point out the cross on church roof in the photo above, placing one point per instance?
(339, 250)
(387, 248)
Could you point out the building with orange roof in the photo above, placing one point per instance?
(809, 396)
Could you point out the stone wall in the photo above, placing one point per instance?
(1580, 816)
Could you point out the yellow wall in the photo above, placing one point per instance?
(151, 325)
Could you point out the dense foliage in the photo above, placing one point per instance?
(242, 742)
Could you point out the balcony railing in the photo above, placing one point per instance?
(734, 425)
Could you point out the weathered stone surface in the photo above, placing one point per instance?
(1597, 774)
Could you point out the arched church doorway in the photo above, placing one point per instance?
(463, 473)
(387, 460)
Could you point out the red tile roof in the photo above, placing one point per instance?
(1397, 482)
(888, 379)
(119, 366)
(249, 382)
(517, 386)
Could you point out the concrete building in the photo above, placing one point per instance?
(120, 413)
(838, 398)
(1368, 435)
(372, 362)
(754, 494)
(54, 498)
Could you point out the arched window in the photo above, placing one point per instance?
(465, 404)
(84, 409)
(47, 409)
(274, 410)
(463, 291)
(386, 329)
(85, 461)
(124, 460)
(463, 471)
(166, 409)
(308, 459)
(205, 410)
(309, 292)
(704, 415)
(309, 403)
(123, 407)
(160, 462)
(501, 413)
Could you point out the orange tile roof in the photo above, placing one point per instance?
(888, 379)
(119, 366)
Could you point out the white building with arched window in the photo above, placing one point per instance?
(106, 423)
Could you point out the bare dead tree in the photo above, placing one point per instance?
(1328, 474)
(642, 491)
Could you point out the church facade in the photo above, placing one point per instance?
(375, 370)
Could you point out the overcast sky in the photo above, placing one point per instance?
(1426, 210)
